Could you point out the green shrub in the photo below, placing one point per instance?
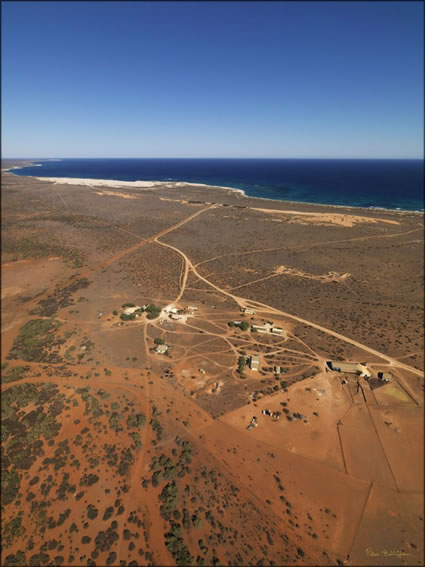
(92, 512)
(153, 311)
(108, 513)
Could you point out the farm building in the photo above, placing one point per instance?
(277, 331)
(175, 316)
(259, 328)
(161, 349)
(248, 311)
(254, 362)
(348, 367)
(130, 310)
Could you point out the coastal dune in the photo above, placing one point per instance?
(99, 182)
(131, 184)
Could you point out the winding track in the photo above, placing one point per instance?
(244, 303)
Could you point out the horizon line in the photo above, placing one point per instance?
(214, 157)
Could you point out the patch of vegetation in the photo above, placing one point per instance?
(34, 339)
(241, 365)
(92, 512)
(136, 420)
(108, 513)
(32, 247)
(153, 311)
(136, 439)
(114, 422)
(89, 479)
(10, 483)
(103, 395)
(14, 373)
(156, 426)
(18, 559)
(177, 547)
(12, 529)
(60, 298)
(127, 459)
(106, 539)
(128, 316)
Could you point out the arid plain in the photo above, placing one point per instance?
(116, 454)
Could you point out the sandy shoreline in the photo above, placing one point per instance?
(115, 183)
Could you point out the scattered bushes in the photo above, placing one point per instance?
(35, 337)
(136, 420)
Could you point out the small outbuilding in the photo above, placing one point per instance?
(248, 311)
(385, 376)
(259, 328)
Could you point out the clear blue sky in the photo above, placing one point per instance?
(212, 79)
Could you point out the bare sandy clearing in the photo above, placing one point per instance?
(391, 529)
(11, 291)
(329, 277)
(114, 194)
(318, 438)
(326, 218)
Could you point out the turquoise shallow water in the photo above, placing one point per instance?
(390, 184)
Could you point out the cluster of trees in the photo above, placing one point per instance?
(153, 311)
(244, 325)
(128, 316)
(241, 365)
(136, 420)
(35, 337)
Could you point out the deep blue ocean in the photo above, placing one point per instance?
(391, 184)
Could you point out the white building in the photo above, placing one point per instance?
(254, 362)
(259, 328)
(277, 331)
(161, 349)
(248, 311)
(130, 310)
